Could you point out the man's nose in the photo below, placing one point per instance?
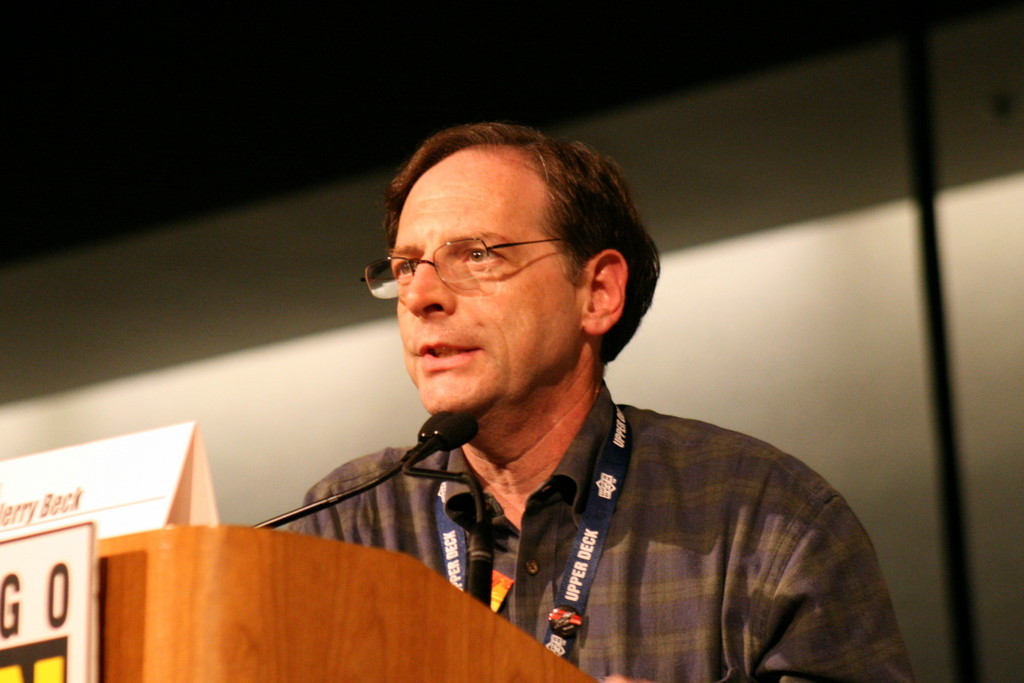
(425, 291)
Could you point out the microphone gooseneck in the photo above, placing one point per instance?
(441, 432)
(453, 430)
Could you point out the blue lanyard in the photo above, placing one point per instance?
(566, 618)
(453, 542)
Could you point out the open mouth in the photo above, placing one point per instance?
(443, 351)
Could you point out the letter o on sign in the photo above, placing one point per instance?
(58, 582)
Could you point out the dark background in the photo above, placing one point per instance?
(125, 118)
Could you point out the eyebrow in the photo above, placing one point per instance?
(403, 252)
(489, 238)
(406, 251)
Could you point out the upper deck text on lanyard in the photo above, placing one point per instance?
(565, 619)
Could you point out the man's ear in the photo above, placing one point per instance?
(604, 283)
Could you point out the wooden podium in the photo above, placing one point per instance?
(236, 604)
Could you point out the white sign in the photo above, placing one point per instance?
(128, 484)
(48, 607)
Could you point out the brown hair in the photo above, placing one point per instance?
(591, 207)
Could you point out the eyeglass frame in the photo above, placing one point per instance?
(414, 263)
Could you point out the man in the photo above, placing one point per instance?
(637, 544)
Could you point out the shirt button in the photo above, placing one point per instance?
(532, 567)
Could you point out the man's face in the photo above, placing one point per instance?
(514, 344)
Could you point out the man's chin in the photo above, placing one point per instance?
(449, 401)
(435, 407)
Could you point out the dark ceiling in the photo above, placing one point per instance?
(125, 118)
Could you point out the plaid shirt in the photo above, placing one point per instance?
(726, 560)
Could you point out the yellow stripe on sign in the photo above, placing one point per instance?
(11, 674)
(50, 670)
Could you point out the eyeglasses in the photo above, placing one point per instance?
(462, 265)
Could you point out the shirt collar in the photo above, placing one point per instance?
(577, 465)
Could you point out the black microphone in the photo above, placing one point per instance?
(441, 432)
(480, 536)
